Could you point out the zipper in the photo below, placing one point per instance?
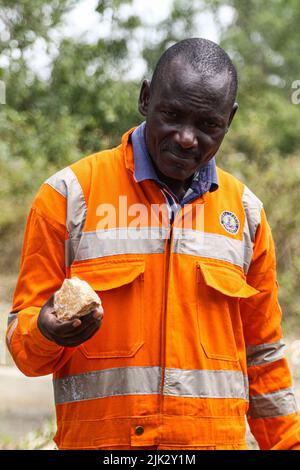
(163, 322)
(164, 309)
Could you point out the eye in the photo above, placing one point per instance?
(210, 124)
(170, 114)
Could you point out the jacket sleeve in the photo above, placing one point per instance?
(42, 272)
(272, 414)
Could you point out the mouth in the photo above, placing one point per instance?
(181, 160)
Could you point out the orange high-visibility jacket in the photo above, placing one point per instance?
(191, 340)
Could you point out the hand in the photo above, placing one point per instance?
(68, 333)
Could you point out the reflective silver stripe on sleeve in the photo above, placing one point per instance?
(119, 241)
(66, 183)
(252, 206)
(271, 405)
(264, 353)
(60, 180)
(208, 245)
(108, 383)
(11, 317)
(12, 329)
(206, 384)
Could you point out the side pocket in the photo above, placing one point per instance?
(120, 286)
(219, 289)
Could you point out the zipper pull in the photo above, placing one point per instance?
(198, 274)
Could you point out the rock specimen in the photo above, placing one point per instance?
(75, 299)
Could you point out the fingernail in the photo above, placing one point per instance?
(76, 323)
(97, 315)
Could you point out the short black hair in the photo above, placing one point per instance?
(206, 57)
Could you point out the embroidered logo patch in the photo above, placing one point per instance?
(230, 222)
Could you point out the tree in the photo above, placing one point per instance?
(22, 157)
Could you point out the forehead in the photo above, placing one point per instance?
(191, 88)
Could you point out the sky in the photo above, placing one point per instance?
(83, 22)
(83, 17)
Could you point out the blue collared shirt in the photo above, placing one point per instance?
(204, 180)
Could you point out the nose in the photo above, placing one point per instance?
(186, 138)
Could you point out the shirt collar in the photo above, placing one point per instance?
(143, 166)
(206, 179)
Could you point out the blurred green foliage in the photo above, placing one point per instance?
(88, 101)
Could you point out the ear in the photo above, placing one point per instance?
(144, 98)
(235, 107)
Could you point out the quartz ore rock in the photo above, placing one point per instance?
(75, 299)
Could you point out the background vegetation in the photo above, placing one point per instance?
(88, 99)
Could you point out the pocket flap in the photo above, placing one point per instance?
(109, 275)
(226, 280)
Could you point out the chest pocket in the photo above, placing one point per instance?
(120, 286)
(219, 290)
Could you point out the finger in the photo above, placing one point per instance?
(80, 330)
(53, 328)
(89, 333)
(82, 322)
(96, 314)
(79, 339)
(63, 329)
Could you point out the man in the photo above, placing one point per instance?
(190, 340)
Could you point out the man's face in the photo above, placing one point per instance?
(186, 119)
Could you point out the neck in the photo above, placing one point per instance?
(177, 187)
